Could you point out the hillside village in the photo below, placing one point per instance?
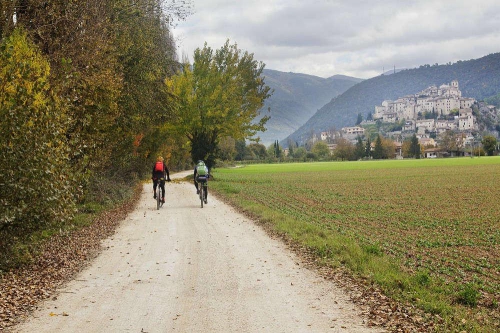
(427, 114)
(439, 102)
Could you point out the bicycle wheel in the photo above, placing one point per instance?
(164, 192)
(202, 195)
(158, 196)
(206, 192)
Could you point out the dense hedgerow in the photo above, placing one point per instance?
(33, 178)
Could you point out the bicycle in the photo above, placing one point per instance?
(159, 201)
(202, 189)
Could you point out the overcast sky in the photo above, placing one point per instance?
(358, 38)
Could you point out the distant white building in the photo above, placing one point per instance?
(466, 102)
(444, 105)
(381, 109)
(409, 126)
(450, 90)
(427, 142)
(466, 120)
(356, 130)
(425, 104)
(327, 135)
(427, 124)
(390, 117)
(445, 125)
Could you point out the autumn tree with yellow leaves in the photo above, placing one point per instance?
(218, 96)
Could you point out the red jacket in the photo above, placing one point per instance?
(160, 174)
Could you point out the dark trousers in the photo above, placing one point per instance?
(201, 181)
(162, 186)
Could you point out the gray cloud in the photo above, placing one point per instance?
(358, 38)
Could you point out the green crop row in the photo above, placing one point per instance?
(392, 221)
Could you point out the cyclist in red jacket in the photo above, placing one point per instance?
(160, 170)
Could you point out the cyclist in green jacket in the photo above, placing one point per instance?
(201, 174)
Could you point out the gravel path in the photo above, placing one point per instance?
(187, 269)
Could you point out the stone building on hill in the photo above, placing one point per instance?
(439, 102)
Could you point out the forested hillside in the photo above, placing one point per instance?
(478, 78)
(82, 101)
(296, 98)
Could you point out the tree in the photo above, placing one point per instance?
(494, 100)
(368, 149)
(389, 148)
(258, 150)
(227, 148)
(360, 119)
(300, 153)
(291, 147)
(359, 151)
(147, 55)
(321, 150)
(240, 146)
(414, 147)
(406, 148)
(489, 144)
(447, 141)
(77, 39)
(109, 59)
(384, 148)
(220, 96)
(311, 156)
(378, 152)
(276, 149)
(345, 149)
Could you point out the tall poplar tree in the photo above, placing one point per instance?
(219, 96)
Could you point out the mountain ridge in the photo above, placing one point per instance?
(478, 78)
(296, 98)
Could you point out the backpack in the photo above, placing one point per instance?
(201, 169)
(159, 166)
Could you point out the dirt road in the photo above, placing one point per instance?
(187, 269)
